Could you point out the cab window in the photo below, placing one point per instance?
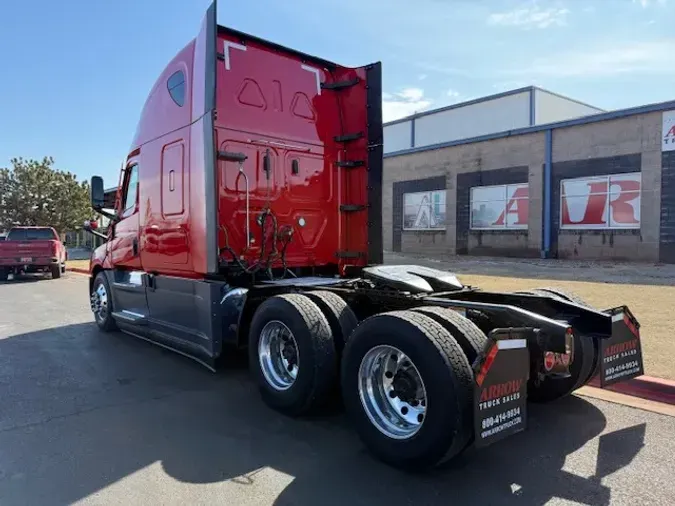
(131, 191)
(176, 86)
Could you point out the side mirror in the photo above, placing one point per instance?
(97, 192)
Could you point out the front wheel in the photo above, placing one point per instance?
(102, 304)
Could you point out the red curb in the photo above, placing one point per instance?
(645, 387)
(78, 270)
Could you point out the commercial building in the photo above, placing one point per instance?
(529, 173)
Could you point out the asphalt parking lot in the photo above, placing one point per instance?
(93, 418)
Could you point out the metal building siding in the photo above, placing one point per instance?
(398, 136)
(549, 108)
(475, 119)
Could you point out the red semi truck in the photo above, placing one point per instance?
(248, 215)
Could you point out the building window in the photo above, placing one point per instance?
(500, 207)
(176, 86)
(603, 202)
(424, 210)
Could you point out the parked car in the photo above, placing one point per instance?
(32, 249)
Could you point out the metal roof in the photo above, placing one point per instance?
(584, 120)
(526, 89)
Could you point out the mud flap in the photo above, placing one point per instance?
(621, 354)
(500, 394)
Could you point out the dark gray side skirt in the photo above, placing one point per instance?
(185, 315)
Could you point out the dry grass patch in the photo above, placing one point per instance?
(78, 264)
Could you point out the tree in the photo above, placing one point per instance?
(35, 193)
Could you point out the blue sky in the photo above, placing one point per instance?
(76, 73)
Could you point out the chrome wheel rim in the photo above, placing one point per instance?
(99, 302)
(278, 355)
(392, 392)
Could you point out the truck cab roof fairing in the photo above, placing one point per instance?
(160, 114)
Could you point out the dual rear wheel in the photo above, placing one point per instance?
(405, 376)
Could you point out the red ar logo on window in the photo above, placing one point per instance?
(518, 206)
(595, 202)
(668, 130)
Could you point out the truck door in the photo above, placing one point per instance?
(125, 246)
(128, 281)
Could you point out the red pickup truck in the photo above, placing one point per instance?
(32, 249)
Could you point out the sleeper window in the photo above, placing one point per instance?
(176, 86)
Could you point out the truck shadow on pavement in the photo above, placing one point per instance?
(85, 413)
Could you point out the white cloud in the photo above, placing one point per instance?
(647, 3)
(648, 58)
(422, 77)
(452, 94)
(412, 94)
(404, 103)
(530, 16)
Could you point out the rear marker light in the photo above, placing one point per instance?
(568, 342)
(549, 360)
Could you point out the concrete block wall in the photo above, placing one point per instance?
(485, 159)
(631, 144)
(628, 144)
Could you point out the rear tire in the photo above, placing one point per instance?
(446, 378)
(585, 360)
(4, 274)
(573, 297)
(292, 354)
(340, 316)
(466, 333)
(56, 271)
(564, 294)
